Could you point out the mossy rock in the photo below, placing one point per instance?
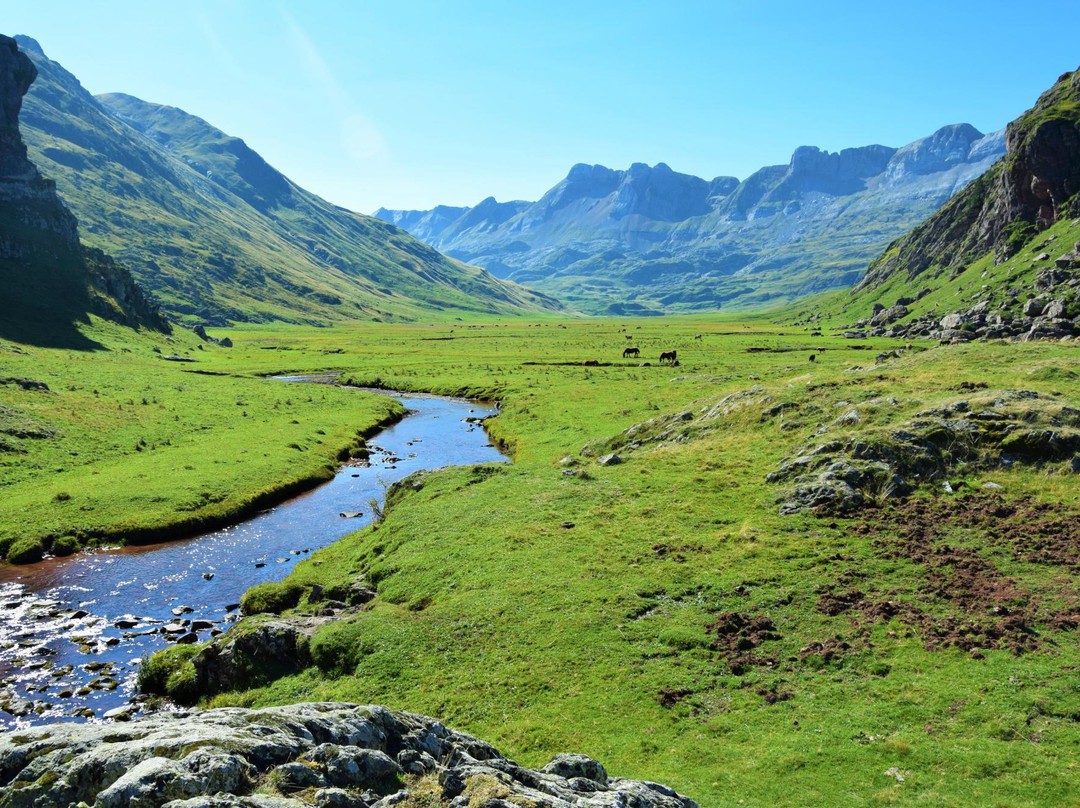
(271, 598)
(26, 551)
(65, 546)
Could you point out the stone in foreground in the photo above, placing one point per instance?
(321, 754)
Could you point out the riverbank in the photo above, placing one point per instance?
(122, 448)
(74, 628)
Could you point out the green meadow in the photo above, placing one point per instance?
(659, 614)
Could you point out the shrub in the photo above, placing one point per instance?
(26, 551)
(182, 685)
(337, 647)
(274, 597)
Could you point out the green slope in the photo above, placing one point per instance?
(244, 244)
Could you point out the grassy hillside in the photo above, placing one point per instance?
(244, 244)
(665, 617)
(1005, 286)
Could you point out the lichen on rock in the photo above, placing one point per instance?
(328, 755)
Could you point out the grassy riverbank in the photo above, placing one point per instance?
(661, 614)
(124, 446)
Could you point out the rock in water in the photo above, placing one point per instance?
(217, 758)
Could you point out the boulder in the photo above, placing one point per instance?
(1054, 310)
(952, 321)
(217, 758)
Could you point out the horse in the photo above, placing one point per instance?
(631, 352)
(811, 357)
(670, 356)
(698, 336)
(591, 363)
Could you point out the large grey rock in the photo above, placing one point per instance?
(216, 758)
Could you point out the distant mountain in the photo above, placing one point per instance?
(650, 239)
(219, 235)
(50, 282)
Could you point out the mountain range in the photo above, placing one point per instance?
(649, 240)
(217, 235)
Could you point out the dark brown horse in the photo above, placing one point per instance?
(591, 363)
(631, 352)
(669, 356)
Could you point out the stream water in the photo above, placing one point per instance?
(72, 630)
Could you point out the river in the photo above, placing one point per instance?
(72, 630)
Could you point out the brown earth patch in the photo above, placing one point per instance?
(983, 607)
(737, 637)
(670, 696)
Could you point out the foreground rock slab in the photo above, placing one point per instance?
(322, 754)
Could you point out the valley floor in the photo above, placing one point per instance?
(659, 614)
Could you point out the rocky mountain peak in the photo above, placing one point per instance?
(809, 163)
(948, 146)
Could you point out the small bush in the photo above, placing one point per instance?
(26, 551)
(182, 686)
(273, 598)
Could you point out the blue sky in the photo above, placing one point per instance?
(412, 104)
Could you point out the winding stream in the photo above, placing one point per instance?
(72, 630)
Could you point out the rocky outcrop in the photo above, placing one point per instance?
(322, 754)
(1029, 189)
(995, 430)
(17, 73)
(254, 653)
(51, 280)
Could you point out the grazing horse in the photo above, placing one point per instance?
(698, 336)
(591, 363)
(670, 356)
(631, 352)
(811, 357)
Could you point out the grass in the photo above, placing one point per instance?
(551, 613)
(125, 446)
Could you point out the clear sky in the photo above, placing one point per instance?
(411, 104)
